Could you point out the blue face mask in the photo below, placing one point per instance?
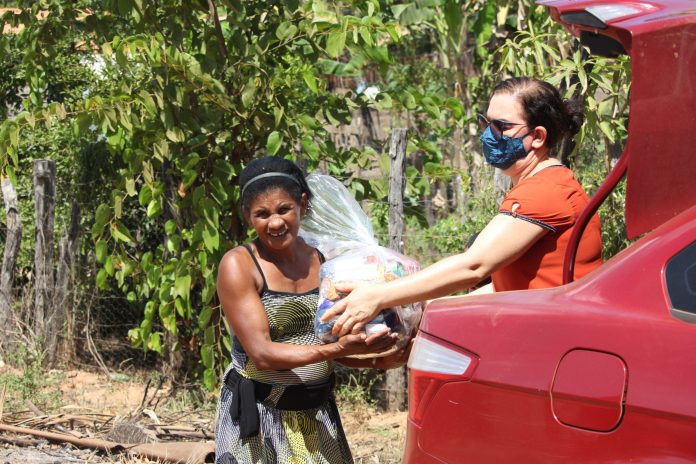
(502, 153)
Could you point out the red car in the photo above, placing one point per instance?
(602, 369)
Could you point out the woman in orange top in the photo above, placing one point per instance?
(523, 246)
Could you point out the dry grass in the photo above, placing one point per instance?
(375, 437)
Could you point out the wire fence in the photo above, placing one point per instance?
(95, 323)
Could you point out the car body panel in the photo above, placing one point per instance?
(505, 412)
(662, 43)
(582, 398)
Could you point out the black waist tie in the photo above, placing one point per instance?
(246, 393)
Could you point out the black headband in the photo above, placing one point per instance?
(268, 174)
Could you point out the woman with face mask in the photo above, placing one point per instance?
(523, 246)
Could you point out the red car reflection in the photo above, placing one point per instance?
(603, 369)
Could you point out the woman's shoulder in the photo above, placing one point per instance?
(235, 264)
(548, 196)
(240, 253)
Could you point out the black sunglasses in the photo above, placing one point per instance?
(497, 126)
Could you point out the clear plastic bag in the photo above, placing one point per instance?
(342, 231)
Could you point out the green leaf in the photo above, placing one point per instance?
(285, 30)
(278, 113)
(311, 81)
(155, 343)
(308, 121)
(208, 290)
(118, 206)
(209, 335)
(605, 127)
(211, 239)
(180, 307)
(273, 143)
(145, 195)
(169, 323)
(310, 147)
(190, 176)
(207, 355)
(130, 187)
(210, 379)
(149, 310)
(408, 100)
(165, 310)
(336, 43)
(101, 216)
(365, 34)
(248, 93)
(148, 102)
(182, 286)
(170, 227)
(109, 265)
(14, 134)
(101, 279)
(101, 251)
(119, 232)
(154, 208)
(204, 317)
(175, 134)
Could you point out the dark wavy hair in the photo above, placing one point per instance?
(543, 106)
(270, 164)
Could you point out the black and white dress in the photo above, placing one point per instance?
(285, 437)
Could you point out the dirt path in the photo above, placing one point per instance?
(375, 437)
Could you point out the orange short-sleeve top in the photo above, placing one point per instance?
(553, 199)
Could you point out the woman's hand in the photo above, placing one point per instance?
(352, 344)
(355, 310)
(396, 359)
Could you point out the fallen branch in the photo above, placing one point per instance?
(173, 452)
(19, 441)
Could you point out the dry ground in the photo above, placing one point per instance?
(375, 437)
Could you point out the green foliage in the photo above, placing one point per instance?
(196, 91)
(354, 387)
(28, 381)
(153, 108)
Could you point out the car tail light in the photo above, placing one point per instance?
(609, 12)
(599, 16)
(432, 363)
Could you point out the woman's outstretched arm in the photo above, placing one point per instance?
(501, 242)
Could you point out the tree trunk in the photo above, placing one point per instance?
(66, 255)
(393, 388)
(397, 155)
(45, 203)
(12, 243)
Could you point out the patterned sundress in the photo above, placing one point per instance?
(285, 437)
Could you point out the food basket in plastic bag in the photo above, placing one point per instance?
(341, 230)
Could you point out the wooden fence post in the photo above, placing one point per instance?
(397, 157)
(394, 386)
(45, 204)
(12, 243)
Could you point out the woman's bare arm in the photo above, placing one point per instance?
(245, 313)
(501, 242)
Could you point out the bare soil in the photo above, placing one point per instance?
(375, 437)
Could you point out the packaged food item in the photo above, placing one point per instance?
(342, 231)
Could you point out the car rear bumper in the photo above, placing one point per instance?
(412, 452)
